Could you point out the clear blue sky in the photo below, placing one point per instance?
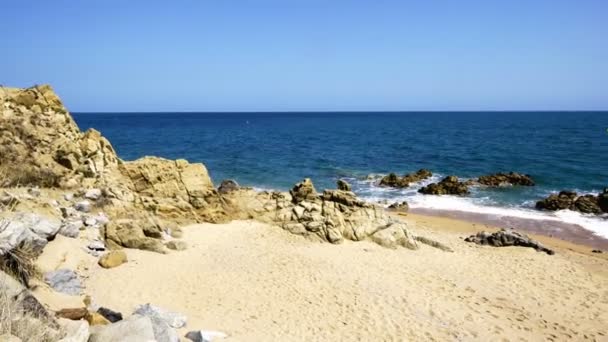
(277, 55)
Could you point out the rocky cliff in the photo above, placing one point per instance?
(41, 146)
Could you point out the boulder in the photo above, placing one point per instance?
(72, 313)
(399, 206)
(393, 235)
(502, 179)
(93, 194)
(450, 185)
(130, 233)
(343, 185)
(395, 181)
(83, 206)
(64, 281)
(561, 201)
(177, 245)
(303, 191)
(134, 329)
(71, 228)
(504, 238)
(164, 322)
(113, 259)
(173, 319)
(75, 331)
(587, 204)
(95, 318)
(110, 315)
(602, 200)
(228, 185)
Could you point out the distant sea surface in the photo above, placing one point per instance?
(560, 150)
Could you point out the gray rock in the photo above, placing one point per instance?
(75, 331)
(71, 228)
(97, 245)
(83, 206)
(68, 197)
(173, 319)
(90, 221)
(23, 298)
(64, 281)
(504, 238)
(32, 229)
(136, 328)
(205, 335)
(102, 219)
(163, 322)
(93, 194)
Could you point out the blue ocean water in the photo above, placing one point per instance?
(561, 150)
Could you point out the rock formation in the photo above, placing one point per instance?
(343, 185)
(395, 181)
(502, 179)
(505, 238)
(399, 206)
(450, 185)
(589, 204)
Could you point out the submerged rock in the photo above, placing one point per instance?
(505, 238)
(502, 179)
(450, 185)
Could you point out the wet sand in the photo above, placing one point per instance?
(561, 230)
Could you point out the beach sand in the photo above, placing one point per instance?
(259, 283)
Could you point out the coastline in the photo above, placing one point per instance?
(550, 229)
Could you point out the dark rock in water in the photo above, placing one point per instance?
(110, 315)
(561, 201)
(588, 204)
(597, 251)
(501, 179)
(395, 181)
(505, 238)
(403, 206)
(602, 200)
(228, 185)
(450, 185)
(304, 190)
(343, 185)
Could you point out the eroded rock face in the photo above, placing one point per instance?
(334, 216)
(395, 181)
(502, 179)
(450, 185)
(505, 238)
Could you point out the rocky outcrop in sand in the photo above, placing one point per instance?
(450, 185)
(502, 179)
(395, 181)
(504, 238)
(589, 204)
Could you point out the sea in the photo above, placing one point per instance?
(273, 151)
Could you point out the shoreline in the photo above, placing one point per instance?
(578, 239)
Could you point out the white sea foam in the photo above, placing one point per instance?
(480, 205)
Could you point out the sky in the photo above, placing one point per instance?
(310, 55)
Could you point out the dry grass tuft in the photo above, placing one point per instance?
(22, 324)
(20, 263)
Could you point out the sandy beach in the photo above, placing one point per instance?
(257, 283)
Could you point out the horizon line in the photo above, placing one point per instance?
(347, 111)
